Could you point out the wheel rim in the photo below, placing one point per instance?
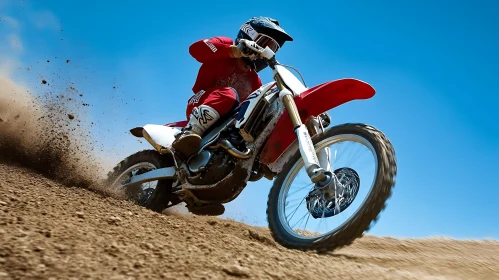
(139, 193)
(288, 209)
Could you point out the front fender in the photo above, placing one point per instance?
(313, 102)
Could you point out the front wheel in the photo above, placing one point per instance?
(335, 218)
(154, 195)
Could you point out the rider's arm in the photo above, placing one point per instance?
(213, 48)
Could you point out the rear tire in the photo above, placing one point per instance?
(366, 213)
(161, 196)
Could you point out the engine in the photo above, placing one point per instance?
(218, 160)
(210, 166)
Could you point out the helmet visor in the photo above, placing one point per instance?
(265, 41)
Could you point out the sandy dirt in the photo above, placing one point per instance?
(52, 231)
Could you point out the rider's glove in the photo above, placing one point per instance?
(246, 48)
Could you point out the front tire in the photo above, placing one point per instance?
(155, 199)
(367, 213)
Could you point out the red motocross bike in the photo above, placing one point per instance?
(280, 132)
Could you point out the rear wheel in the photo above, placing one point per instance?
(154, 195)
(336, 218)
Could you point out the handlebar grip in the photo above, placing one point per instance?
(244, 45)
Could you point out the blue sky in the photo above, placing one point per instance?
(434, 65)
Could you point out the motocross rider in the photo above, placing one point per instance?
(226, 77)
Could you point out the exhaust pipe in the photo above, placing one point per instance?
(226, 145)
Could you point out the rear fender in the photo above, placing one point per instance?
(159, 136)
(313, 102)
(177, 124)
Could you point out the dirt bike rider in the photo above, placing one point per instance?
(226, 77)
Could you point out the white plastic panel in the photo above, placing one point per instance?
(252, 100)
(162, 135)
(290, 80)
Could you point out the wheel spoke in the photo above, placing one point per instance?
(301, 220)
(307, 186)
(297, 208)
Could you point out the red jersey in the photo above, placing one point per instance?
(219, 69)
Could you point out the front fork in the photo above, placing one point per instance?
(317, 165)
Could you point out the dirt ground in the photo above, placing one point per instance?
(52, 231)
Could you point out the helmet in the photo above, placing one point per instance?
(266, 32)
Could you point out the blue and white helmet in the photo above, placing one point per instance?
(266, 32)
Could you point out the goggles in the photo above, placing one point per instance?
(265, 41)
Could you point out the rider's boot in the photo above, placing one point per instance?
(188, 142)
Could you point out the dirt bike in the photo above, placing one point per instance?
(280, 130)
